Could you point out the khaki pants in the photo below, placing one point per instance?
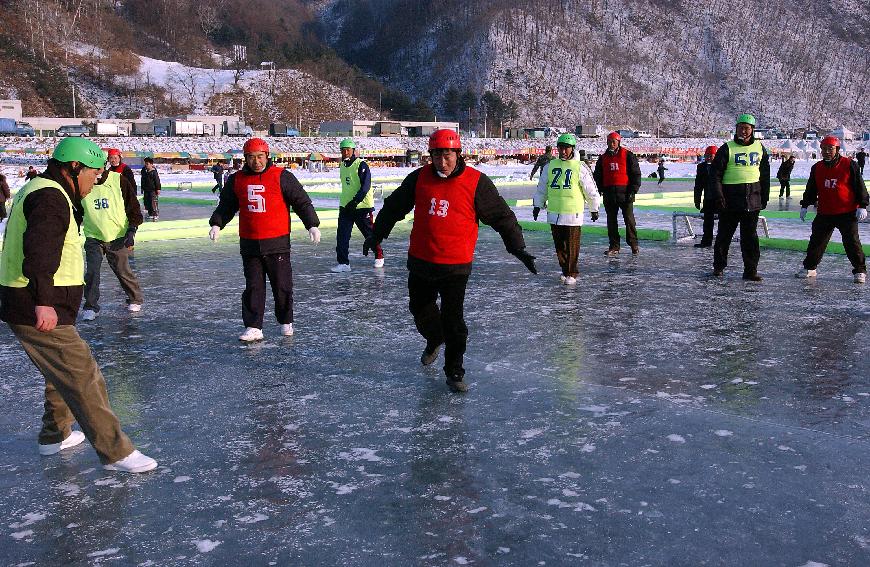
(74, 391)
(118, 257)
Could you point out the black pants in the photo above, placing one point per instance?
(150, 200)
(280, 272)
(709, 212)
(613, 203)
(3, 210)
(785, 185)
(728, 221)
(445, 325)
(364, 221)
(566, 239)
(823, 228)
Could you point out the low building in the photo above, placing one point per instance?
(10, 109)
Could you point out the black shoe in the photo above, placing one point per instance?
(612, 252)
(752, 277)
(635, 250)
(429, 356)
(703, 244)
(717, 273)
(455, 383)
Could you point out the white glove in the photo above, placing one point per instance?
(314, 234)
(803, 213)
(861, 214)
(214, 233)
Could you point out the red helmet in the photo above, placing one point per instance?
(444, 139)
(710, 150)
(830, 141)
(113, 152)
(614, 136)
(255, 145)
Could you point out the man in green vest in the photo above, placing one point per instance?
(741, 188)
(41, 278)
(111, 217)
(356, 205)
(566, 183)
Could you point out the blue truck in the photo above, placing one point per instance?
(11, 127)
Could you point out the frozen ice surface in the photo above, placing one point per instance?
(335, 447)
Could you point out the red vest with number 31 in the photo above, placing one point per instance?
(262, 211)
(833, 185)
(445, 222)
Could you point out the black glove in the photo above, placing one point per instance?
(535, 212)
(371, 243)
(129, 239)
(527, 259)
(350, 206)
(594, 215)
(698, 205)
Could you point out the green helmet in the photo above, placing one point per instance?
(567, 140)
(746, 119)
(347, 143)
(81, 150)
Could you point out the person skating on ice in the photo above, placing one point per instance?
(618, 176)
(705, 197)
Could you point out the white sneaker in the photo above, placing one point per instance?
(135, 462)
(805, 274)
(570, 281)
(379, 263)
(251, 334)
(74, 439)
(860, 277)
(563, 278)
(339, 268)
(287, 329)
(89, 315)
(134, 307)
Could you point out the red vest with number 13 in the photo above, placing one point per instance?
(445, 222)
(262, 211)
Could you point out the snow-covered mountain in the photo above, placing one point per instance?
(675, 65)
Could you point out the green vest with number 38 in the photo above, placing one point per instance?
(564, 190)
(105, 217)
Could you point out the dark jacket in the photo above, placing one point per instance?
(741, 196)
(634, 177)
(126, 173)
(489, 206)
(542, 160)
(861, 157)
(48, 217)
(784, 171)
(31, 173)
(5, 194)
(295, 198)
(859, 189)
(150, 181)
(703, 189)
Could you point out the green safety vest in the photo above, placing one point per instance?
(744, 163)
(350, 186)
(565, 193)
(105, 217)
(71, 271)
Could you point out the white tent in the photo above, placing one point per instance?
(843, 133)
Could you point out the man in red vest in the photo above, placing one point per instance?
(263, 195)
(617, 174)
(448, 199)
(837, 190)
(115, 164)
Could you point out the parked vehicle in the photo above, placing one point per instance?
(642, 134)
(79, 130)
(24, 129)
(586, 130)
(110, 129)
(143, 128)
(234, 128)
(175, 127)
(8, 127)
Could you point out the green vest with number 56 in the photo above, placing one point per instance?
(350, 186)
(70, 272)
(564, 191)
(105, 217)
(744, 163)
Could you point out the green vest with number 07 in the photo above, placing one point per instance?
(350, 186)
(564, 190)
(70, 272)
(744, 163)
(105, 217)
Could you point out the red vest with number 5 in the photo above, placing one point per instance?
(614, 168)
(445, 223)
(262, 211)
(833, 185)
